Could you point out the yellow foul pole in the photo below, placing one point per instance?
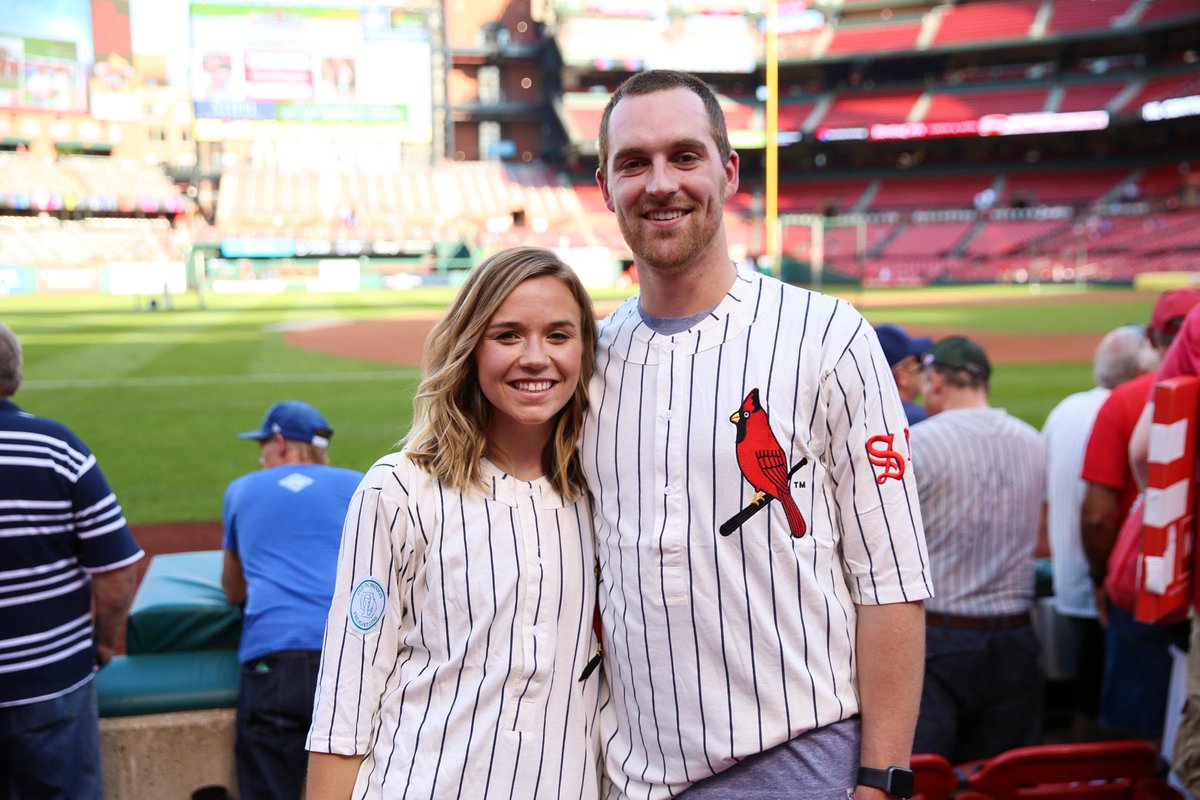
(772, 232)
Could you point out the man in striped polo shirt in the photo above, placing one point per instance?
(761, 549)
(981, 474)
(63, 540)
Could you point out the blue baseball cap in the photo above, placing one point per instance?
(295, 420)
(898, 345)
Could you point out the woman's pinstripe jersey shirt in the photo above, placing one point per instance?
(721, 646)
(458, 629)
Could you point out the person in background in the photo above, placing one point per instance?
(903, 354)
(1123, 354)
(460, 646)
(1137, 663)
(67, 577)
(761, 549)
(981, 475)
(1183, 358)
(283, 526)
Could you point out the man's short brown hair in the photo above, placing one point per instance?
(661, 80)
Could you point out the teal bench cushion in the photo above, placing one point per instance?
(180, 606)
(155, 683)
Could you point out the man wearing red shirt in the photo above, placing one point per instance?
(1137, 665)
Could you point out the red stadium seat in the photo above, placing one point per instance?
(933, 777)
(1154, 789)
(1091, 770)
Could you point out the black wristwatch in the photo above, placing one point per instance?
(896, 781)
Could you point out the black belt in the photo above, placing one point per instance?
(1008, 622)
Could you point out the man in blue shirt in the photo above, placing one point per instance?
(283, 528)
(67, 577)
(903, 353)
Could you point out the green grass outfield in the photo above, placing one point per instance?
(159, 395)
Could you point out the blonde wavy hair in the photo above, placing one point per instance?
(452, 416)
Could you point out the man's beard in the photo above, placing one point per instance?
(668, 250)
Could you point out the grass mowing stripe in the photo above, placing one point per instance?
(1034, 318)
(170, 450)
(404, 373)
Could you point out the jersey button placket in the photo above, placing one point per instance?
(522, 689)
(669, 455)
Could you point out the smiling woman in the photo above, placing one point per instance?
(528, 366)
(477, 573)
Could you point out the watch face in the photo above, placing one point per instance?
(900, 782)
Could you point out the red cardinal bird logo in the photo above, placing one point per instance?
(764, 465)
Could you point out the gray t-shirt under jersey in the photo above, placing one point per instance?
(669, 326)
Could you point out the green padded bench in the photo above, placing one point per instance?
(181, 642)
(180, 606)
(155, 683)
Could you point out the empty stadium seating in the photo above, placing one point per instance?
(1068, 17)
(976, 22)
(929, 240)
(49, 242)
(1089, 96)
(1164, 181)
(851, 109)
(1002, 237)
(936, 25)
(1163, 87)
(923, 191)
(949, 106)
(411, 198)
(815, 197)
(792, 116)
(1159, 10)
(876, 38)
(87, 183)
(1054, 187)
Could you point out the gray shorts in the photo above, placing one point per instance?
(821, 764)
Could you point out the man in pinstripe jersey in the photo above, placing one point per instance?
(761, 549)
(981, 476)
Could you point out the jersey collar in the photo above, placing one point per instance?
(626, 336)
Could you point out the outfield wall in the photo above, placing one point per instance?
(1161, 281)
(257, 269)
(119, 277)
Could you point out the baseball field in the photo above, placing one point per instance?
(160, 394)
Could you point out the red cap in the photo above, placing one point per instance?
(1172, 306)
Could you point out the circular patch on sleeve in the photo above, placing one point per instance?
(367, 603)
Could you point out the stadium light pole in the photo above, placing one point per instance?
(772, 67)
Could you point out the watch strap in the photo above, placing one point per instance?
(896, 781)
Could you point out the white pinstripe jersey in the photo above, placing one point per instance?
(718, 647)
(981, 473)
(467, 684)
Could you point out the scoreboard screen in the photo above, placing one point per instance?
(313, 64)
(45, 54)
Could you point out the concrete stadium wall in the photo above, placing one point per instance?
(168, 755)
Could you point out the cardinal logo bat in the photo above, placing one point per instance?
(764, 466)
